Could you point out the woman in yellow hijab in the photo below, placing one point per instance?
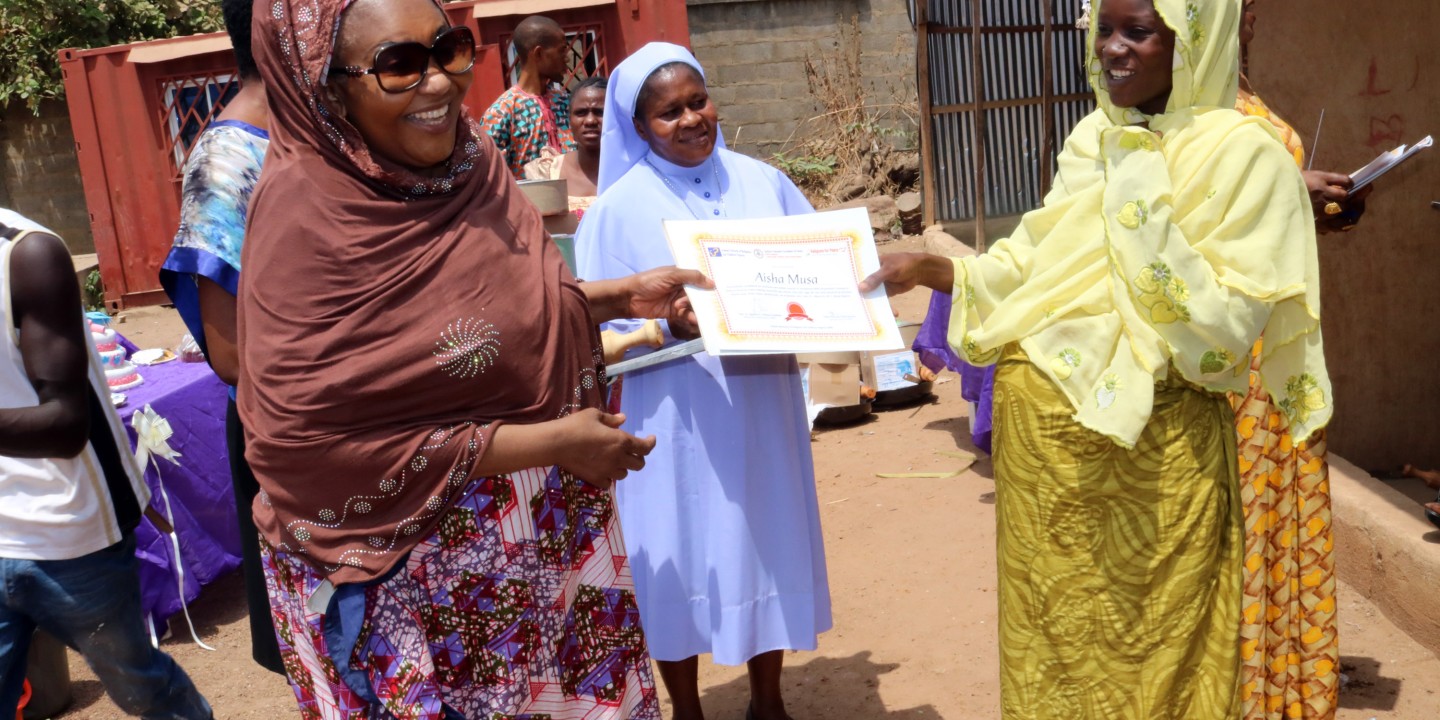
(1118, 315)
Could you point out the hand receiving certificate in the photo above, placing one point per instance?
(786, 285)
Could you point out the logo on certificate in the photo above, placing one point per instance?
(797, 312)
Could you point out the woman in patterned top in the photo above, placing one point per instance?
(420, 382)
(202, 275)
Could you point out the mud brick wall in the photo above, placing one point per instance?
(39, 176)
(1377, 77)
(754, 54)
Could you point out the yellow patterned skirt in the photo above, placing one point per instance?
(1119, 569)
(1289, 647)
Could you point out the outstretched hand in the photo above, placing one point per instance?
(902, 272)
(660, 294)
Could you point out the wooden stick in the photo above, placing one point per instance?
(928, 208)
(616, 344)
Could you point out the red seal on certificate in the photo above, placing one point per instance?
(797, 312)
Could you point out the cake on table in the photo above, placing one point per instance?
(120, 373)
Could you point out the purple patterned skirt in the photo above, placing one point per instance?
(520, 605)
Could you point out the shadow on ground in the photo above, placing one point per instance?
(959, 429)
(1368, 688)
(216, 607)
(821, 688)
(83, 694)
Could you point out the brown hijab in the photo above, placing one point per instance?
(388, 322)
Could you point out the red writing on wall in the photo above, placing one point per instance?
(1372, 84)
(1386, 133)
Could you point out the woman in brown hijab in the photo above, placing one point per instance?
(420, 383)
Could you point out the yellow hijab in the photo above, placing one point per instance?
(1169, 246)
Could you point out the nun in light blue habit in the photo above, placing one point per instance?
(722, 526)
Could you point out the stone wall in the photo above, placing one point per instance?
(39, 175)
(1375, 70)
(754, 54)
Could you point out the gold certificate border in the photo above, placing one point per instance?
(699, 240)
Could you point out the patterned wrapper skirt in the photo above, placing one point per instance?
(1290, 648)
(1119, 569)
(519, 606)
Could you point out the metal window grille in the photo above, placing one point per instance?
(1002, 83)
(189, 104)
(586, 45)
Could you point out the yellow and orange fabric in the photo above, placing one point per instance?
(1290, 647)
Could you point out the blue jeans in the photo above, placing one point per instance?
(92, 604)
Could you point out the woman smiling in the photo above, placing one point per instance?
(723, 524)
(1118, 316)
(420, 386)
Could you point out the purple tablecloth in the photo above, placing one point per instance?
(193, 399)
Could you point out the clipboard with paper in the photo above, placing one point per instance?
(1386, 162)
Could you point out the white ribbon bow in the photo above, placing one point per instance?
(152, 437)
(152, 440)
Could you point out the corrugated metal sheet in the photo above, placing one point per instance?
(991, 152)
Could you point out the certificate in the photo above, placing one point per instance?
(786, 285)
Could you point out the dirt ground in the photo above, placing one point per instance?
(912, 578)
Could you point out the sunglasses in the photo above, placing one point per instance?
(401, 67)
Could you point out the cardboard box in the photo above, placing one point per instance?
(831, 378)
(563, 224)
(550, 196)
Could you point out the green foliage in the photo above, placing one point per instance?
(904, 139)
(33, 31)
(806, 170)
(93, 292)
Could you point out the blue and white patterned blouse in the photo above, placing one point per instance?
(219, 177)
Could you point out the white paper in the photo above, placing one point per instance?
(891, 371)
(1385, 162)
(786, 285)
